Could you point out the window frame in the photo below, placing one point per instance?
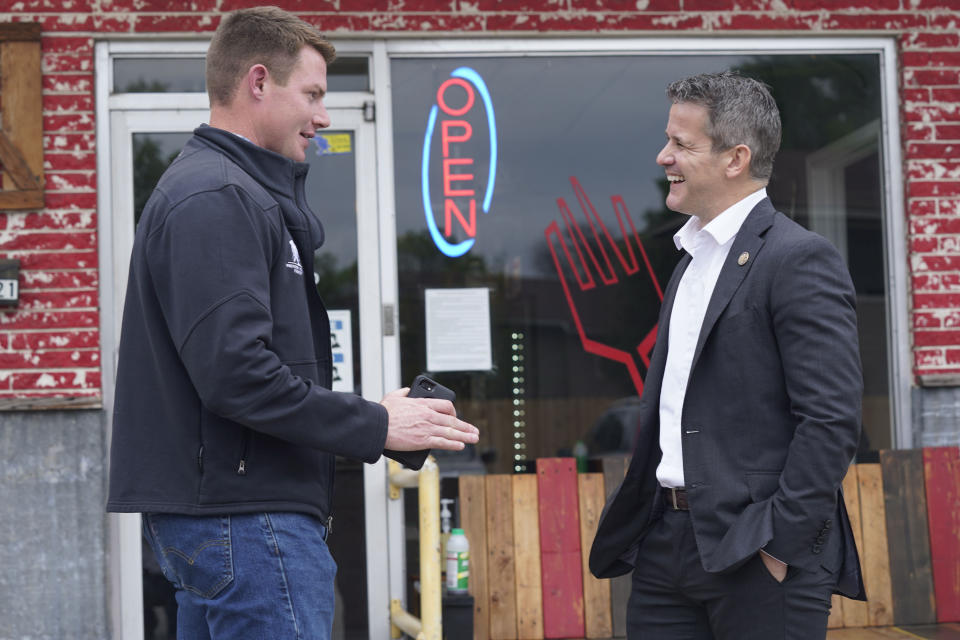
(892, 178)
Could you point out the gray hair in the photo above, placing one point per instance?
(740, 110)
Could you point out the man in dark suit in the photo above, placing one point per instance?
(730, 515)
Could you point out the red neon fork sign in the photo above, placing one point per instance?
(587, 267)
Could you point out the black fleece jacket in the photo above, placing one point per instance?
(222, 398)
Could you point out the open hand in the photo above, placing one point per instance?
(425, 423)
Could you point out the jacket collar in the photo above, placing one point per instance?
(739, 261)
(274, 171)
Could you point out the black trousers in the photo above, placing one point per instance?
(674, 598)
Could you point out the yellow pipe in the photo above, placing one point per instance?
(430, 625)
(401, 478)
(430, 587)
(406, 622)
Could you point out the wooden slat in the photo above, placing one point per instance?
(30, 199)
(908, 538)
(875, 556)
(14, 163)
(560, 548)
(526, 540)
(932, 631)
(473, 520)
(854, 611)
(10, 31)
(21, 118)
(942, 474)
(870, 633)
(835, 621)
(596, 593)
(501, 574)
(614, 470)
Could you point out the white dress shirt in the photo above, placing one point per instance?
(708, 247)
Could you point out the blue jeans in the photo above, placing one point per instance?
(252, 576)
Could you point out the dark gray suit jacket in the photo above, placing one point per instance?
(771, 417)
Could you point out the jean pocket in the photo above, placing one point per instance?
(195, 551)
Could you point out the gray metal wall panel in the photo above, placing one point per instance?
(52, 525)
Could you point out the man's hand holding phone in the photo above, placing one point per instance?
(422, 417)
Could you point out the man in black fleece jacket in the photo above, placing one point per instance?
(225, 429)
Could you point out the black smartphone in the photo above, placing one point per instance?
(424, 387)
(421, 387)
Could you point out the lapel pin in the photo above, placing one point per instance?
(742, 260)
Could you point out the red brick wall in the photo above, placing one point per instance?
(49, 346)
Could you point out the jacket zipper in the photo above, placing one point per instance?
(242, 468)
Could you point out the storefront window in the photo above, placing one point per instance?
(496, 156)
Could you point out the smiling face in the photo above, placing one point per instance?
(292, 113)
(699, 185)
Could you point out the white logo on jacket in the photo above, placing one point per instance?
(295, 259)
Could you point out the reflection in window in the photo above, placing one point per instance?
(159, 75)
(152, 154)
(583, 321)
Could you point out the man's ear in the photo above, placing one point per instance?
(256, 80)
(739, 163)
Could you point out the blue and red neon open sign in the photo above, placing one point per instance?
(459, 188)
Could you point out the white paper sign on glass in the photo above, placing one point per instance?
(458, 329)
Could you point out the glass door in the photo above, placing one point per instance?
(340, 190)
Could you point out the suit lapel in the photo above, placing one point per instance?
(749, 240)
(658, 359)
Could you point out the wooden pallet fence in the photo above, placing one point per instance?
(560, 548)
(501, 575)
(908, 539)
(941, 466)
(530, 538)
(596, 593)
(614, 470)
(874, 555)
(854, 611)
(473, 520)
(526, 537)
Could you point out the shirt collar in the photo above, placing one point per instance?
(722, 228)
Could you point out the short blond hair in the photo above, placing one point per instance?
(260, 35)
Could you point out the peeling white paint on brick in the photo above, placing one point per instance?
(950, 244)
(80, 380)
(948, 318)
(672, 21)
(59, 183)
(46, 381)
